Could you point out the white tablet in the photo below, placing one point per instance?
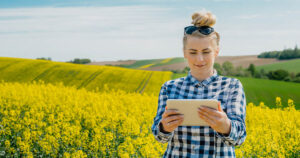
(189, 107)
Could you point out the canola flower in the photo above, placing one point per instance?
(166, 60)
(146, 66)
(41, 119)
(271, 132)
(38, 119)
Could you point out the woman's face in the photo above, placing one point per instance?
(200, 54)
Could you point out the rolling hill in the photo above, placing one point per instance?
(90, 77)
(289, 65)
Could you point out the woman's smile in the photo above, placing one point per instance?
(199, 66)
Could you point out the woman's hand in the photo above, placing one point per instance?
(171, 119)
(217, 119)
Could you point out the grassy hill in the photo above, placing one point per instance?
(90, 77)
(290, 65)
(262, 90)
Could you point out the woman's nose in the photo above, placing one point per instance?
(200, 57)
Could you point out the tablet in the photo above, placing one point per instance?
(189, 107)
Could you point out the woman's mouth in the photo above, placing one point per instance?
(199, 66)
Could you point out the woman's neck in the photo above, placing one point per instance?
(202, 75)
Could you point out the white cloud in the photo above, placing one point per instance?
(125, 20)
(246, 17)
(128, 32)
(65, 33)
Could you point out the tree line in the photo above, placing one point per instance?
(281, 55)
(75, 61)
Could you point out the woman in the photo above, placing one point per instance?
(227, 127)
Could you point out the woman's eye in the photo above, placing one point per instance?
(206, 52)
(192, 53)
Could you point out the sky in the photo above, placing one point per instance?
(106, 30)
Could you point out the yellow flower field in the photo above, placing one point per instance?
(53, 120)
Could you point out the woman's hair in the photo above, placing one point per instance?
(203, 18)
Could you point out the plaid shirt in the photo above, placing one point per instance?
(203, 141)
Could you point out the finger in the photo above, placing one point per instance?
(170, 112)
(211, 111)
(171, 118)
(165, 114)
(220, 108)
(212, 117)
(174, 123)
(208, 120)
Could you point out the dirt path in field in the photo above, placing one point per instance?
(143, 84)
(146, 83)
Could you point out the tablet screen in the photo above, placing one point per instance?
(189, 108)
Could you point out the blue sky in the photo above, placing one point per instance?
(106, 30)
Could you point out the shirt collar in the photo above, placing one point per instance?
(205, 82)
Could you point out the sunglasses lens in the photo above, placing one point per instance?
(190, 29)
(206, 30)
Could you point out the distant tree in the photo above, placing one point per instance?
(263, 74)
(80, 61)
(43, 58)
(292, 76)
(278, 74)
(251, 68)
(284, 54)
(239, 71)
(228, 68)
(271, 54)
(219, 69)
(296, 79)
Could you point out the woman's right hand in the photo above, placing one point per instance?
(171, 119)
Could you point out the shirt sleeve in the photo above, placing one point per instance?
(160, 135)
(236, 112)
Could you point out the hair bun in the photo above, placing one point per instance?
(203, 18)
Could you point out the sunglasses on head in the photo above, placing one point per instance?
(206, 30)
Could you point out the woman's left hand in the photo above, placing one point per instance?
(217, 120)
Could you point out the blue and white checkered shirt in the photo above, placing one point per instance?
(203, 141)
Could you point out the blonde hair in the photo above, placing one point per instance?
(203, 18)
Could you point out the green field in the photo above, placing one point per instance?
(172, 61)
(90, 77)
(140, 63)
(258, 90)
(290, 65)
(154, 62)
